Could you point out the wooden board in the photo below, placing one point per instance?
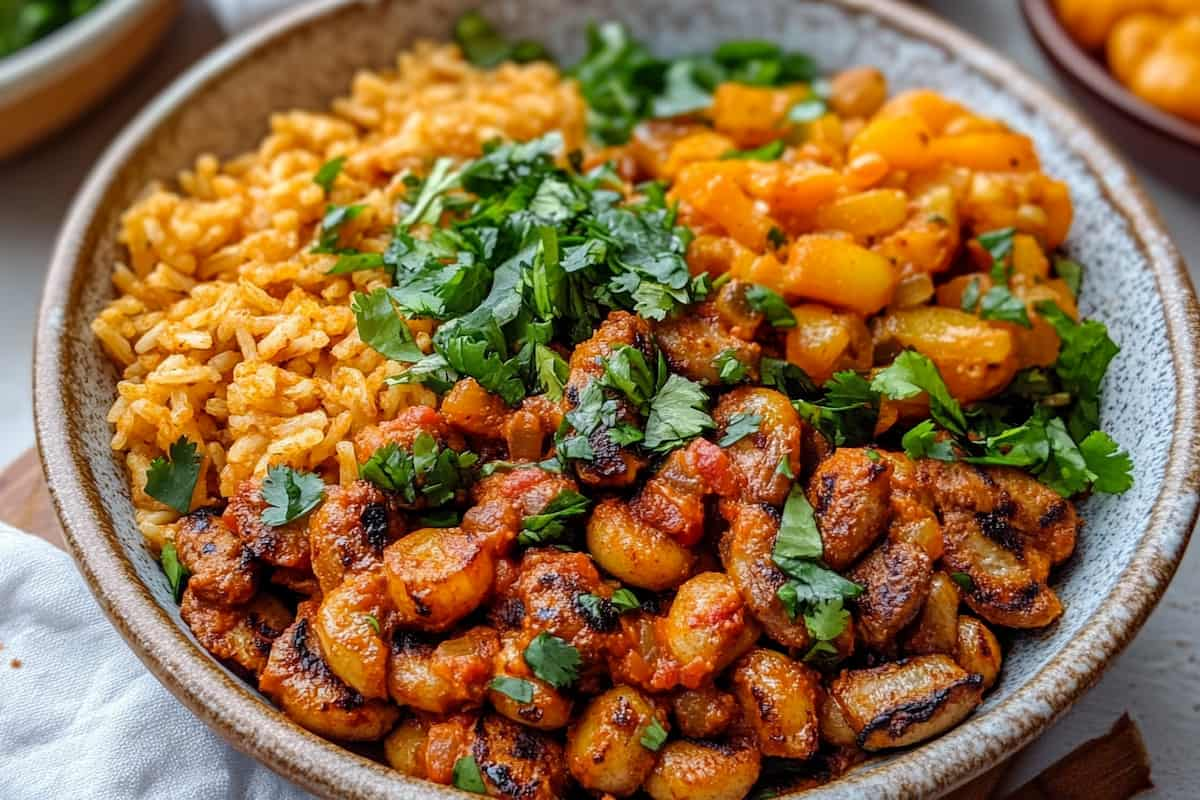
(25, 501)
(25, 504)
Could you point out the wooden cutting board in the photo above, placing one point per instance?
(25, 500)
(1087, 773)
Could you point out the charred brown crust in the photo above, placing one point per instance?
(898, 720)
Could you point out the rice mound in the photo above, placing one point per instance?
(230, 332)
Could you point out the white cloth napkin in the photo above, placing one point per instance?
(81, 717)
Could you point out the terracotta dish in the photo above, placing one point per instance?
(1092, 73)
(1137, 285)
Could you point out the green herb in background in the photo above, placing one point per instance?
(23, 22)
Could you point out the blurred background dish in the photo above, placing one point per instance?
(1123, 36)
(57, 59)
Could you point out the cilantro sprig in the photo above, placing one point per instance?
(290, 494)
(428, 472)
(550, 524)
(812, 591)
(553, 660)
(172, 480)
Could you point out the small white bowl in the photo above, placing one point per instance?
(49, 83)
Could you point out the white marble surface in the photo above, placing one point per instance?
(1157, 679)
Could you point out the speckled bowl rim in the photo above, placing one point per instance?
(326, 769)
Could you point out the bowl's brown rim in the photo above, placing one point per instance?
(261, 731)
(1087, 71)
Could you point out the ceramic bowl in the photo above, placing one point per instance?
(1135, 283)
(1090, 71)
(49, 83)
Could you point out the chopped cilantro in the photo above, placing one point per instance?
(428, 205)
(999, 244)
(785, 377)
(784, 467)
(466, 776)
(729, 368)
(329, 233)
(740, 426)
(552, 371)
(517, 689)
(963, 580)
(678, 414)
(381, 328)
(428, 472)
(1082, 362)
(172, 480)
(813, 590)
(1002, 305)
(553, 660)
(625, 600)
(550, 524)
(776, 237)
(771, 305)
(626, 372)
(911, 374)
(328, 173)
(290, 494)
(847, 413)
(1071, 273)
(922, 441)
(177, 574)
(768, 152)
(373, 622)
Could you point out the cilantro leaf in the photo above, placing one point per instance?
(552, 371)
(921, 441)
(466, 776)
(427, 472)
(826, 619)
(963, 580)
(911, 374)
(740, 426)
(678, 413)
(373, 622)
(550, 524)
(999, 245)
(289, 494)
(328, 173)
(329, 232)
(1071, 273)
(626, 372)
(768, 152)
(771, 305)
(517, 689)
(381, 328)
(798, 538)
(553, 660)
(784, 468)
(970, 296)
(172, 480)
(1083, 360)
(177, 574)
(729, 368)
(847, 413)
(432, 371)
(428, 206)
(355, 262)
(654, 735)
(1111, 467)
(1002, 305)
(625, 600)
(786, 377)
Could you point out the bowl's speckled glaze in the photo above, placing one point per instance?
(1136, 284)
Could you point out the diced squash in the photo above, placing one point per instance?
(791, 189)
(1028, 258)
(903, 140)
(976, 358)
(715, 255)
(866, 213)
(753, 115)
(991, 151)
(825, 341)
(828, 270)
(701, 146)
(712, 191)
(935, 109)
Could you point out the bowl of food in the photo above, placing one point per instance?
(1141, 56)
(713, 414)
(59, 58)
